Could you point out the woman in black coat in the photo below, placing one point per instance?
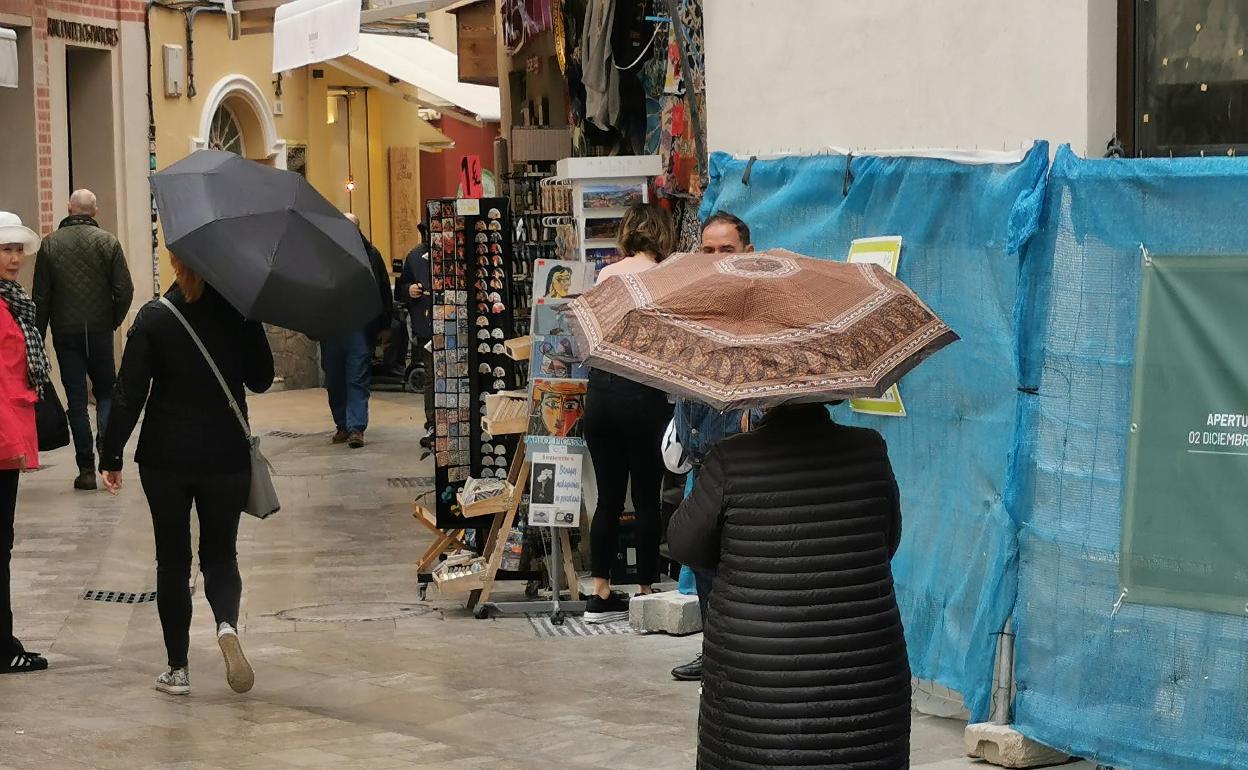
(192, 450)
(805, 662)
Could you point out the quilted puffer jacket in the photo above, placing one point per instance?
(82, 283)
(805, 660)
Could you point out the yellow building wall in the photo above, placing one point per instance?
(216, 57)
(389, 120)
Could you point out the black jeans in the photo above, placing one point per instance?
(219, 499)
(84, 356)
(8, 504)
(624, 424)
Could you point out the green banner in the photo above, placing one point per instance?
(1185, 515)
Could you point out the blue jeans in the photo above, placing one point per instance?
(347, 363)
(84, 356)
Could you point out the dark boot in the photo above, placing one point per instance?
(85, 479)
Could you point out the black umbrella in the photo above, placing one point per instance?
(268, 242)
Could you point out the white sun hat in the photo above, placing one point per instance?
(13, 231)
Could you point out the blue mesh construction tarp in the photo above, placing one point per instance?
(962, 227)
(1149, 688)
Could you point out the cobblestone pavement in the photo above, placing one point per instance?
(352, 669)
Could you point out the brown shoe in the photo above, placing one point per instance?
(355, 440)
(340, 436)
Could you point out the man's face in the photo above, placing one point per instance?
(723, 238)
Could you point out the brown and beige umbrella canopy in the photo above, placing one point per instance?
(757, 329)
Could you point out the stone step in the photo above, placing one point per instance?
(669, 612)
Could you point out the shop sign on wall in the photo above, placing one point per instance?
(1184, 532)
(78, 32)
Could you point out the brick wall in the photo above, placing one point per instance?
(107, 13)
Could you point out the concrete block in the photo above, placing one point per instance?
(1004, 746)
(668, 612)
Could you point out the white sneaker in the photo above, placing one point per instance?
(175, 681)
(238, 672)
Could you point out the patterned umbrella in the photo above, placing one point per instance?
(757, 329)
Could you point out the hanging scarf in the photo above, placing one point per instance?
(23, 309)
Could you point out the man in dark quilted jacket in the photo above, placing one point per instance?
(83, 291)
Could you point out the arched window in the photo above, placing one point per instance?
(226, 133)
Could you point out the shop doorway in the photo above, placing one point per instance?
(89, 115)
(18, 156)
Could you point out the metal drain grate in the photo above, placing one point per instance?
(288, 434)
(411, 482)
(575, 627)
(118, 597)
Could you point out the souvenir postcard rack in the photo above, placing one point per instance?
(472, 263)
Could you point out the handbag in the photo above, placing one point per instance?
(262, 499)
(51, 422)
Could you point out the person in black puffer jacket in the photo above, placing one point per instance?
(805, 659)
(192, 450)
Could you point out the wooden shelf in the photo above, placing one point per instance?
(473, 581)
(497, 403)
(519, 348)
(506, 427)
(487, 507)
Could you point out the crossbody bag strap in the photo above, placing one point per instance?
(211, 364)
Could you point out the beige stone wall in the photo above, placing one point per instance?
(296, 359)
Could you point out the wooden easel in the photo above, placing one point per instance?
(501, 531)
(442, 541)
(481, 587)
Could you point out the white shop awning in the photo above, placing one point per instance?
(432, 70)
(312, 31)
(8, 58)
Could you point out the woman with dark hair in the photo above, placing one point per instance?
(805, 660)
(192, 450)
(624, 424)
(23, 377)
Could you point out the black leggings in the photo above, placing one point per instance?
(219, 499)
(8, 504)
(624, 424)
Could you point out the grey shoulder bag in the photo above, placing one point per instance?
(262, 499)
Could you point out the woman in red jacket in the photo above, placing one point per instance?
(23, 376)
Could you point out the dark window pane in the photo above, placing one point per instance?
(1192, 76)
